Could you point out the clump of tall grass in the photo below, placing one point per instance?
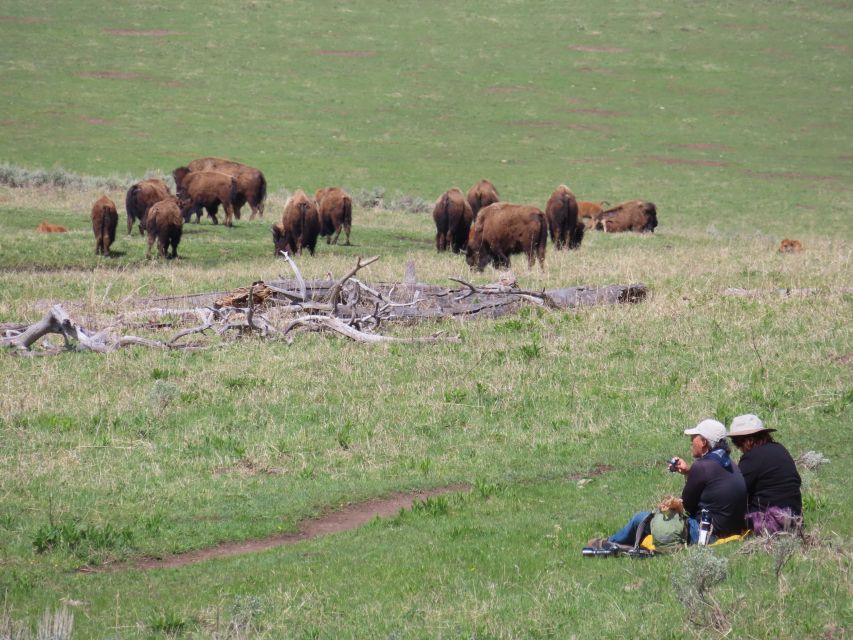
(54, 625)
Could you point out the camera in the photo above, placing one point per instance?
(673, 464)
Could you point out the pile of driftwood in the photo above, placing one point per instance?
(284, 307)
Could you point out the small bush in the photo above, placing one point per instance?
(699, 572)
(163, 393)
(812, 460)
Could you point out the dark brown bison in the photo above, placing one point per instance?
(502, 229)
(482, 195)
(335, 208)
(165, 224)
(139, 199)
(47, 227)
(453, 218)
(562, 215)
(300, 225)
(104, 223)
(199, 190)
(634, 215)
(587, 211)
(251, 183)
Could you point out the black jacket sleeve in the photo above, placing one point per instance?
(693, 488)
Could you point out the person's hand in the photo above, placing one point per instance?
(681, 466)
(671, 503)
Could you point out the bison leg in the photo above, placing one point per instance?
(337, 233)
(229, 216)
(129, 224)
(347, 230)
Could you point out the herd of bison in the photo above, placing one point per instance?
(478, 223)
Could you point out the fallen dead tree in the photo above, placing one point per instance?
(282, 308)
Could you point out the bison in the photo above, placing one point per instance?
(299, 227)
(251, 183)
(199, 190)
(165, 223)
(587, 211)
(790, 246)
(502, 229)
(482, 195)
(140, 197)
(634, 215)
(47, 227)
(453, 217)
(104, 223)
(562, 215)
(335, 209)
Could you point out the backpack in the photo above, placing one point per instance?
(668, 530)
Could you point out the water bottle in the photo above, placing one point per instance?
(705, 527)
(597, 553)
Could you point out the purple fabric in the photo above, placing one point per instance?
(773, 520)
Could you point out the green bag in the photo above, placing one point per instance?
(668, 529)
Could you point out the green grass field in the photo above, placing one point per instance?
(735, 119)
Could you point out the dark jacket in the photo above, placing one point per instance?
(771, 479)
(718, 487)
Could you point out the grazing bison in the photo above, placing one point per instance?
(47, 227)
(453, 217)
(165, 224)
(335, 209)
(140, 197)
(251, 183)
(199, 190)
(300, 225)
(587, 211)
(502, 229)
(634, 215)
(482, 195)
(562, 215)
(104, 223)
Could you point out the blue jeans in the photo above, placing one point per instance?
(628, 533)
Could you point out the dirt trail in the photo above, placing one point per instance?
(349, 517)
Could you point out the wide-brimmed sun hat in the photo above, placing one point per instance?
(712, 430)
(746, 425)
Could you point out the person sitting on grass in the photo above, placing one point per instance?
(714, 482)
(774, 501)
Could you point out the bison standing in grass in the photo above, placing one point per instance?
(165, 224)
(104, 223)
(562, 215)
(199, 190)
(453, 217)
(335, 209)
(482, 195)
(140, 197)
(634, 215)
(251, 183)
(503, 229)
(299, 227)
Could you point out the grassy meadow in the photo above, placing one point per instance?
(733, 118)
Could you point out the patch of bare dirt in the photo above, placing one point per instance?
(22, 19)
(144, 33)
(556, 124)
(588, 49)
(845, 359)
(344, 519)
(507, 89)
(790, 175)
(846, 158)
(687, 161)
(96, 121)
(598, 112)
(588, 69)
(114, 75)
(345, 54)
(701, 146)
(597, 470)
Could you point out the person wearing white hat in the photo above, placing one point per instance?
(714, 482)
(774, 501)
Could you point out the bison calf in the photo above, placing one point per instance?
(503, 229)
(140, 198)
(47, 227)
(453, 217)
(482, 195)
(335, 209)
(587, 212)
(104, 223)
(561, 212)
(634, 215)
(300, 225)
(166, 225)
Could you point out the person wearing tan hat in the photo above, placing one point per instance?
(774, 501)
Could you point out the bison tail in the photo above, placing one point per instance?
(347, 206)
(262, 189)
